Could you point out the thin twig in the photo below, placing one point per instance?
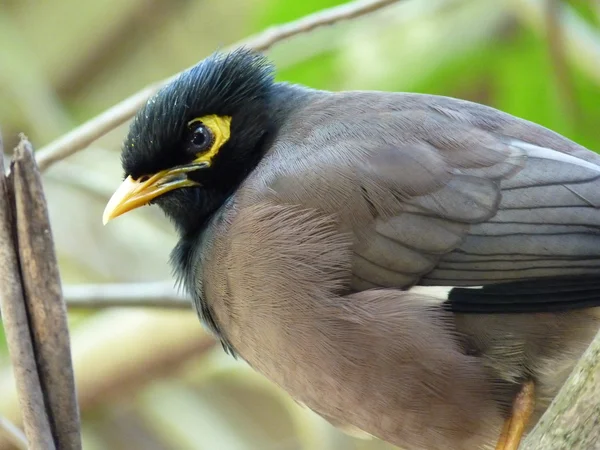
(555, 38)
(82, 136)
(17, 329)
(144, 295)
(160, 360)
(111, 48)
(580, 39)
(45, 307)
(271, 36)
(117, 353)
(14, 433)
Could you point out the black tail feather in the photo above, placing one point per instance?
(529, 296)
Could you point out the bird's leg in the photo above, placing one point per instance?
(504, 434)
(515, 424)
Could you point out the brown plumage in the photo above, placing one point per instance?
(324, 239)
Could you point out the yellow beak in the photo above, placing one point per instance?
(135, 193)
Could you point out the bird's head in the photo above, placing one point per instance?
(196, 139)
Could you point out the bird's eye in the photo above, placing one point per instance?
(202, 137)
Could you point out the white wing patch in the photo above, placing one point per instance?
(437, 294)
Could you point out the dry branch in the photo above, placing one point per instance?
(13, 433)
(555, 39)
(156, 360)
(107, 295)
(114, 46)
(45, 307)
(116, 354)
(82, 136)
(17, 329)
(580, 38)
(266, 39)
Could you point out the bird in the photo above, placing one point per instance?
(411, 267)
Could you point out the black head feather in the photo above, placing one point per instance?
(237, 84)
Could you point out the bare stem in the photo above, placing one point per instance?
(46, 311)
(14, 433)
(17, 328)
(271, 36)
(82, 136)
(555, 39)
(144, 295)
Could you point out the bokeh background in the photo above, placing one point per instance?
(151, 378)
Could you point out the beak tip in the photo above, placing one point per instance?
(114, 207)
(106, 216)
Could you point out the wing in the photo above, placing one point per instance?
(438, 191)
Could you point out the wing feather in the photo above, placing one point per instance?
(439, 191)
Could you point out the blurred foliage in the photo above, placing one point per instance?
(151, 379)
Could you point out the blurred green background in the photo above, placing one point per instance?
(152, 379)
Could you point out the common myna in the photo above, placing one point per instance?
(417, 268)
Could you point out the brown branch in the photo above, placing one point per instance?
(13, 433)
(114, 365)
(17, 329)
(555, 38)
(45, 307)
(580, 37)
(573, 419)
(108, 295)
(163, 360)
(82, 136)
(271, 36)
(112, 48)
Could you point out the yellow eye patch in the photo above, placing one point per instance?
(220, 127)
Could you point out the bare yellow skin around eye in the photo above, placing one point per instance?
(221, 130)
(135, 193)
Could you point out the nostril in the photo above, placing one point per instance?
(144, 178)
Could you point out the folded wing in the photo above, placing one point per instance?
(442, 192)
